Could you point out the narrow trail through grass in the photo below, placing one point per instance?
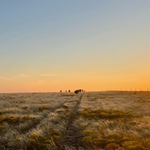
(72, 136)
(52, 110)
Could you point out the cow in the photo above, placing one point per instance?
(77, 91)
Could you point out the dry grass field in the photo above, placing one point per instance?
(65, 121)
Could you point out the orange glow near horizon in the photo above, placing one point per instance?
(87, 82)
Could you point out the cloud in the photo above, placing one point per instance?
(48, 75)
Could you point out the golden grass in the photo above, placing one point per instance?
(106, 114)
(115, 141)
(45, 108)
(14, 120)
(2, 127)
(6, 112)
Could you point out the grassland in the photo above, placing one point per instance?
(65, 121)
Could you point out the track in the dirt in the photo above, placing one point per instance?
(37, 123)
(52, 110)
(72, 136)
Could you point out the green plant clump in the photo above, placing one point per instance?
(115, 141)
(2, 127)
(106, 114)
(14, 120)
(65, 106)
(10, 119)
(39, 142)
(44, 143)
(25, 107)
(44, 108)
(5, 112)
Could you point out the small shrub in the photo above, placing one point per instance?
(13, 119)
(17, 140)
(44, 108)
(25, 107)
(41, 143)
(9, 119)
(85, 126)
(132, 123)
(26, 118)
(115, 141)
(65, 106)
(106, 114)
(2, 127)
(2, 118)
(79, 120)
(133, 145)
(111, 146)
(5, 112)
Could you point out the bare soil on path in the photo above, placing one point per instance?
(73, 135)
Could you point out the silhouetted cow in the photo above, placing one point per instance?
(77, 91)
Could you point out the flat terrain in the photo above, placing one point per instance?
(66, 121)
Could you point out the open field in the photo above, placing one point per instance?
(65, 121)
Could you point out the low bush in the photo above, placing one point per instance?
(111, 146)
(6, 112)
(25, 107)
(65, 106)
(44, 143)
(2, 127)
(44, 108)
(39, 143)
(115, 141)
(106, 114)
(14, 120)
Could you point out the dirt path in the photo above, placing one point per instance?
(51, 110)
(72, 136)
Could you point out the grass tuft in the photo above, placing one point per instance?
(106, 114)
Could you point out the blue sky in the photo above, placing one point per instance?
(86, 40)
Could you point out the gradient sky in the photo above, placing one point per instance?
(96, 45)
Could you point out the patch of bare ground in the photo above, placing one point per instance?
(73, 135)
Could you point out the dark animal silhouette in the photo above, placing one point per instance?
(78, 91)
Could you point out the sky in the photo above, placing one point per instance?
(47, 46)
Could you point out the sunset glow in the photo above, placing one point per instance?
(47, 46)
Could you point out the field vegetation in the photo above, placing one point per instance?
(65, 121)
